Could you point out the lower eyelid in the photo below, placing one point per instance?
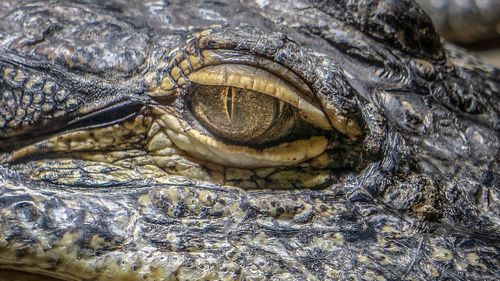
(207, 148)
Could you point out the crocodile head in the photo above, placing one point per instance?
(318, 140)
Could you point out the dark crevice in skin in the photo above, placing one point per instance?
(106, 117)
(114, 114)
(91, 94)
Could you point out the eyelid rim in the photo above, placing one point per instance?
(262, 81)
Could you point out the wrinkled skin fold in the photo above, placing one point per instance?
(389, 172)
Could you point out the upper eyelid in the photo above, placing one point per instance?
(175, 70)
(247, 77)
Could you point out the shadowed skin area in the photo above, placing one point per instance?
(270, 140)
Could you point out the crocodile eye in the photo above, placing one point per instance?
(255, 92)
(241, 115)
(244, 116)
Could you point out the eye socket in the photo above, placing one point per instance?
(241, 115)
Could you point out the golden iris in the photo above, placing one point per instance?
(240, 115)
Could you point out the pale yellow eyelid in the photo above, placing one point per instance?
(215, 57)
(207, 148)
(252, 78)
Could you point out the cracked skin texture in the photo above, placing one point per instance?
(97, 181)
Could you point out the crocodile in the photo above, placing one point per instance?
(244, 140)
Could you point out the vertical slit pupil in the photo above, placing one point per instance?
(279, 104)
(229, 102)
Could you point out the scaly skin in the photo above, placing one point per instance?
(407, 187)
